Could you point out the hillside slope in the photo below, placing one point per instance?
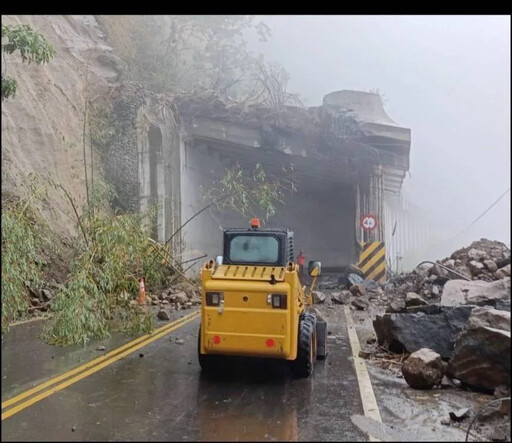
(42, 126)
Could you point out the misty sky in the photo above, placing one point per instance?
(447, 78)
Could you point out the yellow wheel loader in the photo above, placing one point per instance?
(254, 305)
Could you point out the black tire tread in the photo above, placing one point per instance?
(303, 366)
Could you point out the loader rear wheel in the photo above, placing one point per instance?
(302, 366)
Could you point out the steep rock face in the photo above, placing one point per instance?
(42, 125)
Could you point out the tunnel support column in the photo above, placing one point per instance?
(372, 251)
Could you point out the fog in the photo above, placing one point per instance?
(447, 78)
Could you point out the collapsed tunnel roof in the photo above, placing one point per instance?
(350, 128)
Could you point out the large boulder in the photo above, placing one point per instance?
(503, 272)
(479, 293)
(424, 369)
(481, 357)
(411, 332)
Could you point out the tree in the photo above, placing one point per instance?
(32, 46)
(249, 191)
(204, 54)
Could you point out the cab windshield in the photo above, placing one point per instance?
(253, 249)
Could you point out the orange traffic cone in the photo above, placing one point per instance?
(142, 291)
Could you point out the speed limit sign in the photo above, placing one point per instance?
(368, 222)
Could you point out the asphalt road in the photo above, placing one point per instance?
(158, 393)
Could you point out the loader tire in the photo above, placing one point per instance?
(302, 366)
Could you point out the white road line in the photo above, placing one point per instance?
(370, 407)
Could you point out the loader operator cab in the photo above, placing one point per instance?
(271, 247)
(253, 304)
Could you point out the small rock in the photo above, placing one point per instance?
(318, 297)
(360, 304)
(188, 305)
(502, 391)
(180, 297)
(165, 302)
(503, 272)
(365, 353)
(397, 305)
(459, 414)
(500, 434)
(358, 290)
(73, 429)
(100, 348)
(477, 254)
(163, 315)
(413, 299)
(491, 265)
(47, 295)
(475, 267)
(179, 341)
(35, 301)
(435, 290)
(341, 298)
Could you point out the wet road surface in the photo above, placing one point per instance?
(163, 395)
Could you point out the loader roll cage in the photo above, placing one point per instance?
(258, 247)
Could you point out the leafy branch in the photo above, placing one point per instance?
(32, 46)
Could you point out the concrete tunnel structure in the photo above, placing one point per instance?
(348, 157)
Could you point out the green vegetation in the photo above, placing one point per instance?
(111, 253)
(32, 46)
(24, 236)
(202, 55)
(249, 192)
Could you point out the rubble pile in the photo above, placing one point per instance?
(484, 260)
(466, 321)
(174, 298)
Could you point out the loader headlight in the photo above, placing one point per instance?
(278, 301)
(214, 298)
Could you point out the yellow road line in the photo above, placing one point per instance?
(365, 385)
(145, 339)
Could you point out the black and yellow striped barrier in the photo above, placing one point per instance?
(372, 261)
